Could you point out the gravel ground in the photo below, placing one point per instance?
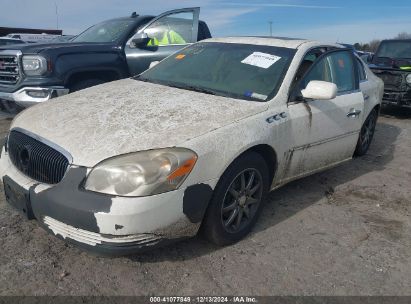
(346, 231)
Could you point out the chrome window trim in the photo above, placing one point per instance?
(359, 60)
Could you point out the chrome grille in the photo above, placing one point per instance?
(36, 159)
(9, 69)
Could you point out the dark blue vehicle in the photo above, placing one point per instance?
(392, 63)
(111, 50)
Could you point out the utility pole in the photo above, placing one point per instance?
(271, 28)
(57, 15)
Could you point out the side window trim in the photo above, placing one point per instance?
(361, 68)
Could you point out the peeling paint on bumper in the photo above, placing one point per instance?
(102, 223)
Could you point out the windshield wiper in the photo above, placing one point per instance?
(198, 89)
(190, 88)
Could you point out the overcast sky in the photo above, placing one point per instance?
(329, 20)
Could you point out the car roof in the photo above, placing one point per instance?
(396, 40)
(292, 43)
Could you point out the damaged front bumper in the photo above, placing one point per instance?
(102, 223)
(397, 98)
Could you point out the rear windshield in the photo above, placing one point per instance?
(240, 71)
(395, 49)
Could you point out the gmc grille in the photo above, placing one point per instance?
(36, 159)
(9, 69)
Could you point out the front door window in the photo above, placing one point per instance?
(171, 29)
(337, 67)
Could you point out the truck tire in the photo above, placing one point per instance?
(11, 107)
(237, 200)
(84, 84)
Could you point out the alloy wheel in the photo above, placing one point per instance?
(241, 200)
(367, 131)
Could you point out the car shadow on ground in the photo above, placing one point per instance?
(287, 201)
(396, 112)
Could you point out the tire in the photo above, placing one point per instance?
(84, 84)
(221, 226)
(366, 134)
(11, 107)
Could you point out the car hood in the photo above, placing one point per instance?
(129, 115)
(64, 47)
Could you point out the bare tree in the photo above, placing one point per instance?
(373, 45)
(403, 35)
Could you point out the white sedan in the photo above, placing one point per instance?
(194, 143)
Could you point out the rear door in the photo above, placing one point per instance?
(368, 88)
(325, 132)
(168, 33)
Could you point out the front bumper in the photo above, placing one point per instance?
(29, 96)
(101, 223)
(397, 98)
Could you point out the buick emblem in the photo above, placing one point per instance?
(25, 158)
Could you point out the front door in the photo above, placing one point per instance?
(168, 33)
(325, 132)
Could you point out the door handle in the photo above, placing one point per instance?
(353, 113)
(366, 97)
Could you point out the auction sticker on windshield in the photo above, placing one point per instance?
(261, 60)
(180, 56)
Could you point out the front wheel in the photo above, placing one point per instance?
(237, 200)
(366, 134)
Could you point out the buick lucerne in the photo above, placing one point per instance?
(192, 144)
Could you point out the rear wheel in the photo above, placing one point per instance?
(366, 134)
(237, 200)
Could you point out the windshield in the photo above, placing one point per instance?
(395, 49)
(234, 70)
(108, 31)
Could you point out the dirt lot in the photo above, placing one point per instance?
(346, 231)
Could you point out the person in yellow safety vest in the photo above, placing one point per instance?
(169, 37)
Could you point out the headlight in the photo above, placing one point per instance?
(142, 173)
(34, 65)
(408, 79)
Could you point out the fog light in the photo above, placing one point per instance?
(38, 94)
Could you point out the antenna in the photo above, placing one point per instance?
(57, 14)
(271, 28)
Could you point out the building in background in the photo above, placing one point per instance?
(4, 31)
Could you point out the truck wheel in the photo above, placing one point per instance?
(11, 107)
(237, 200)
(84, 84)
(366, 134)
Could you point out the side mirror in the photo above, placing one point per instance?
(139, 40)
(320, 90)
(153, 64)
